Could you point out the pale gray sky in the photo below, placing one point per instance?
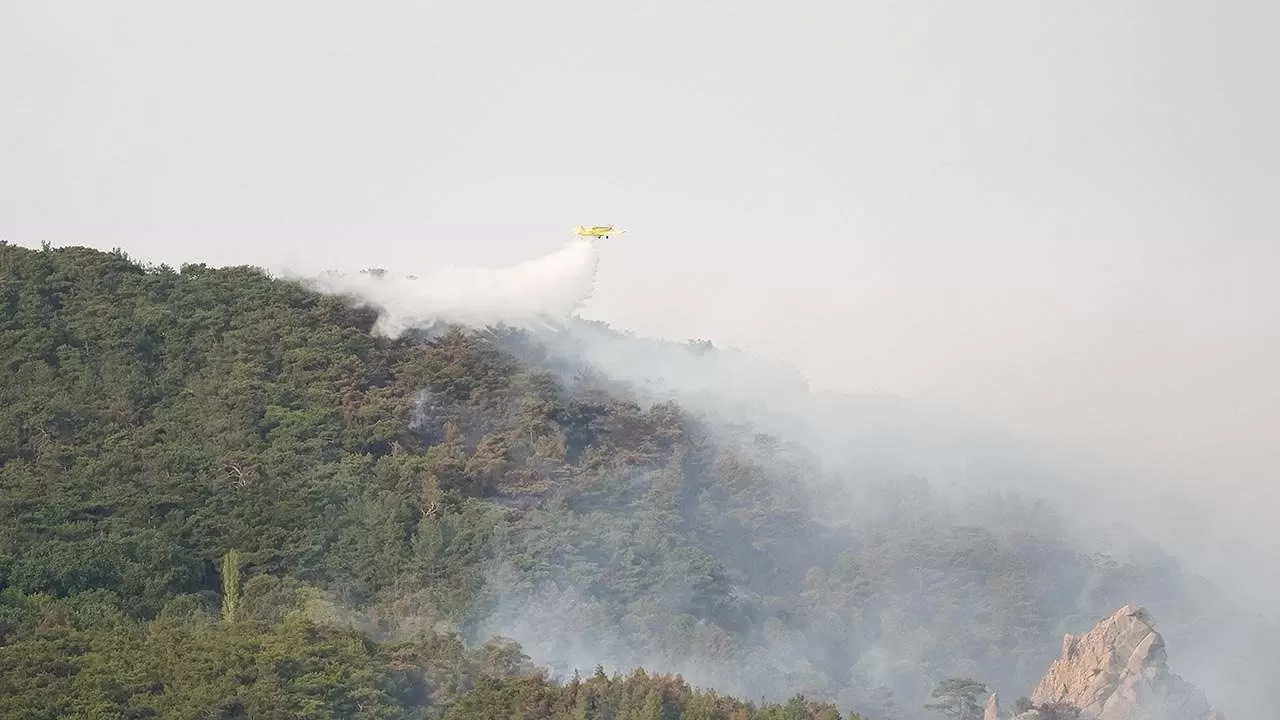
(1054, 214)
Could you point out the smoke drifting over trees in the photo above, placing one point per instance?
(934, 517)
(223, 493)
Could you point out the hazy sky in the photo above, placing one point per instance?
(1054, 214)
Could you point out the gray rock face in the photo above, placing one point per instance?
(1119, 671)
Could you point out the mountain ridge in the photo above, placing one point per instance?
(159, 418)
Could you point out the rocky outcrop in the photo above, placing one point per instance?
(992, 711)
(1119, 671)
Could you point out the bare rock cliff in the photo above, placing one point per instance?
(992, 711)
(1119, 671)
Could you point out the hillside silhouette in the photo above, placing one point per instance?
(222, 492)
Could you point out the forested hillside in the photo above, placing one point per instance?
(221, 494)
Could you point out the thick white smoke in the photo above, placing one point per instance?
(527, 294)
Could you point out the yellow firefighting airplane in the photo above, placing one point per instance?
(596, 231)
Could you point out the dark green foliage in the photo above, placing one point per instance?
(1057, 711)
(85, 657)
(389, 499)
(214, 444)
(959, 698)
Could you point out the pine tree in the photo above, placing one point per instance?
(231, 585)
(958, 698)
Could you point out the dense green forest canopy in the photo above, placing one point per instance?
(221, 494)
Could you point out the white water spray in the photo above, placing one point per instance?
(527, 294)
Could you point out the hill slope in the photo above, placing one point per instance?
(435, 489)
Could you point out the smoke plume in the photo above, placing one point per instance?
(873, 481)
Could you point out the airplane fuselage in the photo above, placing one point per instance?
(595, 231)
